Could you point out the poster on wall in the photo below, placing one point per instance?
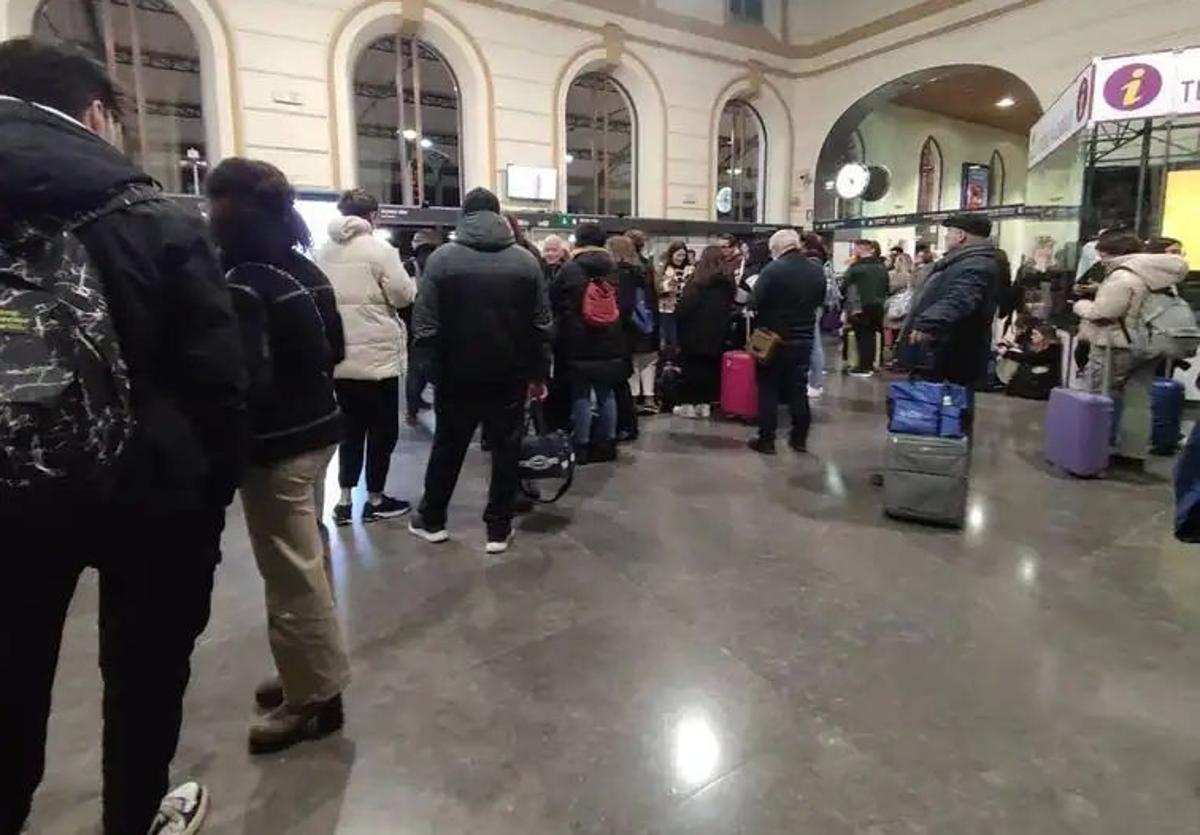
(976, 180)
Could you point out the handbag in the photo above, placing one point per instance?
(762, 344)
(545, 456)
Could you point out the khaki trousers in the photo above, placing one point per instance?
(302, 626)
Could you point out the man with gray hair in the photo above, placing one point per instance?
(787, 295)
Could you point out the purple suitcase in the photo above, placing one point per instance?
(1078, 424)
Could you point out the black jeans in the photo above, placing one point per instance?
(785, 380)
(414, 386)
(867, 327)
(371, 410)
(627, 419)
(156, 579)
(502, 414)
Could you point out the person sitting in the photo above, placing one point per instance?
(592, 345)
(1038, 360)
(703, 316)
(787, 297)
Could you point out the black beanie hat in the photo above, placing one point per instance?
(978, 225)
(480, 200)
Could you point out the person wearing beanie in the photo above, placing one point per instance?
(482, 331)
(948, 335)
(424, 242)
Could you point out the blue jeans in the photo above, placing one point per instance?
(668, 330)
(816, 367)
(581, 412)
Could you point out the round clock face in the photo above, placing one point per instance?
(852, 181)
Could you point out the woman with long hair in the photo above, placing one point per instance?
(672, 280)
(297, 425)
(703, 315)
(641, 331)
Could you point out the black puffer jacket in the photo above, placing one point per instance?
(169, 303)
(704, 313)
(482, 319)
(290, 360)
(632, 280)
(956, 308)
(591, 354)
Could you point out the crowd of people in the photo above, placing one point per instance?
(249, 365)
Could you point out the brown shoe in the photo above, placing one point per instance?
(286, 726)
(269, 694)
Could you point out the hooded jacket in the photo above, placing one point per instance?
(168, 300)
(591, 353)
(371, 287)
(482, 321)
(1109, 318)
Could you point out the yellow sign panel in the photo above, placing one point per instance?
(1181, 215)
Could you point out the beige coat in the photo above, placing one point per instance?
(1119, 298)
(371, 285)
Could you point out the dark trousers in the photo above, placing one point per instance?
(785, 380)
(414, 385)
(868, 324)
(502, 414)
(156, 579)
(627, 419)
(371, 411)
(701, 379)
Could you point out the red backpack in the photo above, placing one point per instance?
(600, 303)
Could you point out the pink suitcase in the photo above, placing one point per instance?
(739, 389)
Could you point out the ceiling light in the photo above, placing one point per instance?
(409, 134)
(737, 171)
(570, 158)
(1006, 102)
(426, 143)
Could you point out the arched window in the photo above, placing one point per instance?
(601, 127)
(408, 146)
(741, 155)
(996, 177)
(153, 53)
(929, 177)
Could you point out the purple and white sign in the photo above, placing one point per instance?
(1135, 87)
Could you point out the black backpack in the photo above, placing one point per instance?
(66, 411)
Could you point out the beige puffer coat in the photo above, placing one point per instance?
(371, 285)
(1119, 298)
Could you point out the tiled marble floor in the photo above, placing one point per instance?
(699, 640)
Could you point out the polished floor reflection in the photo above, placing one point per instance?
(699, 640)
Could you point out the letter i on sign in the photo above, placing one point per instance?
(1133, 88)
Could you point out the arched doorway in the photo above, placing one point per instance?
(741, 158)
(409, 146)
(601, 134)
(968, 110)
(153, 53)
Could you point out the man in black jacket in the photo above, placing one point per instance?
(787, 295)
(483, 328)
(949, 331)
(155, 539)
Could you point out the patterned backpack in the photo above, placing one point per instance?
(65, 405)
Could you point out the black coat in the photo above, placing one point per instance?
(703, 314)
(290, 363)
(318, 287)
(482, 320)
(956, 307)
(169, 302)
(590, 353)
(630, 279)
(787, 295)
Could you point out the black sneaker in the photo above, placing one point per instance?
(418, 527)
(798, 445)
(343, 514)
(386, 508)
(761, 447)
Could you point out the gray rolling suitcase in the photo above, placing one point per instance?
(926, 479)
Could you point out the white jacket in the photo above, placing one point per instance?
(371, 285)
(1113, 314)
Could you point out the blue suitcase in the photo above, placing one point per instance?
(1166, 415)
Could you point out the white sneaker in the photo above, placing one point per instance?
(182, 811)
(685, 411)
(704, 411)
(498, 545)
(815, 393)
